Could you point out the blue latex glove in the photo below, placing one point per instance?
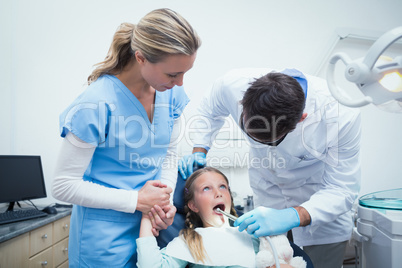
(187, 163)
(264, 221)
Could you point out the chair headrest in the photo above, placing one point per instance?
(178, 198)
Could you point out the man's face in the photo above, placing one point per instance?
(271, 140)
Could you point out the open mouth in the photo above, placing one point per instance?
(220, 206)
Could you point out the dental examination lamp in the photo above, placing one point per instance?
(378, 78)
(378, 231)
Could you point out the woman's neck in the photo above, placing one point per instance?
(131, 77)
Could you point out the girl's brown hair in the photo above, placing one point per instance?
(160, 33)
(191, 237)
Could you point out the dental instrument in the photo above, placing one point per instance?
(230, 216)
(234, 218)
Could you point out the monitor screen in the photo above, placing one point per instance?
(21, 178)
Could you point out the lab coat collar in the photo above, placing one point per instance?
(299, 76)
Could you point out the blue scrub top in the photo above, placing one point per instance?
(130, 151)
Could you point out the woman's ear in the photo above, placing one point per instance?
(192, 206)
(139, 57)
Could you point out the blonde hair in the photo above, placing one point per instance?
(160, 33)
(191, 237)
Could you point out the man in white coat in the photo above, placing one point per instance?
(304, 164)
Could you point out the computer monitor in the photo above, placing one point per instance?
(21, 178)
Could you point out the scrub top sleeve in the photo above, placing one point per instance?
(69, 186)
(88, 121)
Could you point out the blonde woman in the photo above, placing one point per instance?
(119, 133)
(208, 240)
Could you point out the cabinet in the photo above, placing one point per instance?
(46, 246)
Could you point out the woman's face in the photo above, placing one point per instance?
(210, 192)
(168, 73)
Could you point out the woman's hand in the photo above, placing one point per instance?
(161, 218)
(153, 193)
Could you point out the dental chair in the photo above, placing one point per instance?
(165, 236)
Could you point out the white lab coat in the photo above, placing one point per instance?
(317, 166)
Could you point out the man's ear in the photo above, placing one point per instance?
(304, 115)
(192, 206)
(139, 57)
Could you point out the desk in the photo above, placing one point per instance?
(40, 242)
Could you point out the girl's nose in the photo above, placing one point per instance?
(218, 194)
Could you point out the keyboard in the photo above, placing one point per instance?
(20, 215)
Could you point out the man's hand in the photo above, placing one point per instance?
(187, 163)
(264, 221)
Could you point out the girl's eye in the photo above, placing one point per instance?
(172, 75)
(206, 189)
(223, 187)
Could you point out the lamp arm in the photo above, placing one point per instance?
(335, 90)
(380, 46)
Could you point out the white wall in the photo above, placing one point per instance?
(48, 48)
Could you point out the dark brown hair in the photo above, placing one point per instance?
(272, 106)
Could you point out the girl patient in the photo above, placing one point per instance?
(208, 240)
